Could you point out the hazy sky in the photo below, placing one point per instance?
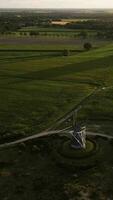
(56, 3)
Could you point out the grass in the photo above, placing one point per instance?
(59, 31)
(100, 109)
(38, 47)
(34, 92)
(45, 29)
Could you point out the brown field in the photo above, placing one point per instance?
(59, 22)
(66, 21)
(47, 41)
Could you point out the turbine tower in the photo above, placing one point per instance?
(78, 134)
(78, 140)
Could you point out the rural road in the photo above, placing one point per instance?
(52, 130)
(100, 134)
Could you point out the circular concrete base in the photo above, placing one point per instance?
(68, 151)
(71, 158)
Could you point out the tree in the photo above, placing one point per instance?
(87, 46)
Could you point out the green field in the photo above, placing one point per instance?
(63, 32)
(46, 75)
(51, 32)
(31, 96)
(36, 88)
(38, 47)
(35, 92)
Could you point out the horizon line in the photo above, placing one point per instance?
(91, 8)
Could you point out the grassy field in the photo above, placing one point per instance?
(34, 92)
(60, 30)
(30, 99)
(38, 47)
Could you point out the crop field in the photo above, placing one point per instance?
(52, 41)
(50, 29)
(54, 32)
(66, 21)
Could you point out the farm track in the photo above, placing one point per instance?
(100, 134)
